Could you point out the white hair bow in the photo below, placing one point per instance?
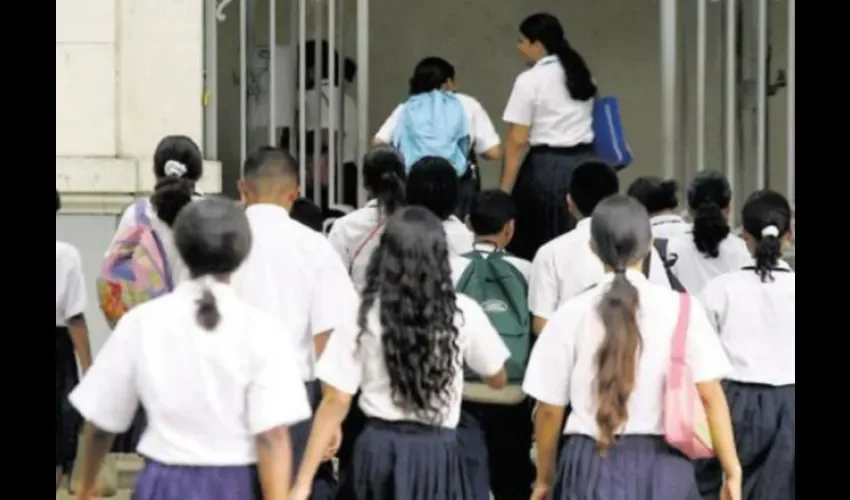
(770, 231)
(174, 168)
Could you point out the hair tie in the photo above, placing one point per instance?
(770, 231)
(174, 168)
(619, 270)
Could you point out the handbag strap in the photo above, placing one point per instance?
(364, 242)
(680, 336)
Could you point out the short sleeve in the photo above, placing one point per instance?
(75, 287)
(385, 133)
(547, 377)
(276, 393)
(341, 240)
(543, 286)
(704, 351)
(339, 365)
(483, 349)
(333, 292)
(108, 395)
(486, 137)
(520, 107)
(714, 299)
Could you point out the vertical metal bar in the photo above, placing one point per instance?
(210, 80)
(318, 84)
(702, 40)
(340, 140)
(668, 86)
(302, 93)
(362, 93)
(243, 85)
(761, 95)
(730, 87)
(791, 73)
(292, 72)
(273, 138)
(333, 104)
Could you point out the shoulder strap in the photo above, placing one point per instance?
(142, 213)
(143, 219)
(363, 243)
(680, 336)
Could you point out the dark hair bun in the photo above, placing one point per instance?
(170, 195)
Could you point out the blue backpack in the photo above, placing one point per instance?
(433, 124)
(610, 140)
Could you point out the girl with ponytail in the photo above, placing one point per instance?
(606, 352)
(710, 249)
(550, 113)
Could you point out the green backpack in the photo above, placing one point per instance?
(502, 292)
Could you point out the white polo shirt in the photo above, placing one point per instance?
(293, 273)
(482, 133)
(757, 323)
(566, 266)
(562, 369)
(206, 394)
(355, 236)
(70, 283)
(668, 226)
(695, 270)
(459, 237)
(348, 364)
(540, 100)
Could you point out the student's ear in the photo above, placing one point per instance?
(244, 195)
(571, 206)
(508, 231)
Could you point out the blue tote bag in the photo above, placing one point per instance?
(610, 140)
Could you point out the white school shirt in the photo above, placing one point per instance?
(695, 270)
(458, 237)
(540, 100)
(206, 394)
(348, 364)
(293, 273)
(756, 322)
(481, 130)
(566, 266)
(179, 271)
(562, 367)
(668, 226)
(70, 283)
(354, 236)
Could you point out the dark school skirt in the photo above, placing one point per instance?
(763, 418)
(67, 419)
(405, 460)
(634, 468)
(158, 481)
(352, 426)
(540, 196)
(324, 482)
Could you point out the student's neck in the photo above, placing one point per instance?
(488, 240)
(285, 204)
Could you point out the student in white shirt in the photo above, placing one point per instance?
(659, 198)
(216, 377)
(754, 312)
(72, 337)
(495, 425)
(566, 266)
(550, 110)
(710, 249)
(177, 166)
(355, 235)
(435, 73)
(433, 184)
(405, 349)
(293, 273)
(606, 353)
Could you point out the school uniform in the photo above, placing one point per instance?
(756, 323)
(207, 394)
(560, 138)
(398, 454)
(458, 237)
(666, 226)
(495, 428)
(639, 465)
(566, 266)
(293, 273)
(355, 237)
(482, 136)
(70, 302)
(695, 269)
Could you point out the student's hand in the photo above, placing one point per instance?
(334, 445)
(540, 492)
(300, 492)
(731, 488)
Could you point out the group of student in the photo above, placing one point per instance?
(280, 348)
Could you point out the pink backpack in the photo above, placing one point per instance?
(685, 422)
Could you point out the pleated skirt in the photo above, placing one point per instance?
(67, 420)
(763, 418)
(540, 196)
(158, 481)
(405, 460)
(634, 468)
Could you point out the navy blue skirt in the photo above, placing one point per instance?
(405, 460)
(634, 468)
(763, 418)
(540, 196)
(67, 420)
(158, 481)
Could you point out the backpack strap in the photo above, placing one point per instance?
(140, 209)
(364, 242)
(143, 219)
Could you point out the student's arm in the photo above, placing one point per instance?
(384, 135)
(274, 462)
(543, 295)
(518, 116)
(96, 444)
(74, 305)
(720, 424)
(484, 351)
(486, 140)
(333, 299)
(547, 429)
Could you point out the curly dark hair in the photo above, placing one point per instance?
(410, 279)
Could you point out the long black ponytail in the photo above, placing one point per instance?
(709, 195)
(384, 176)
(767, 219)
